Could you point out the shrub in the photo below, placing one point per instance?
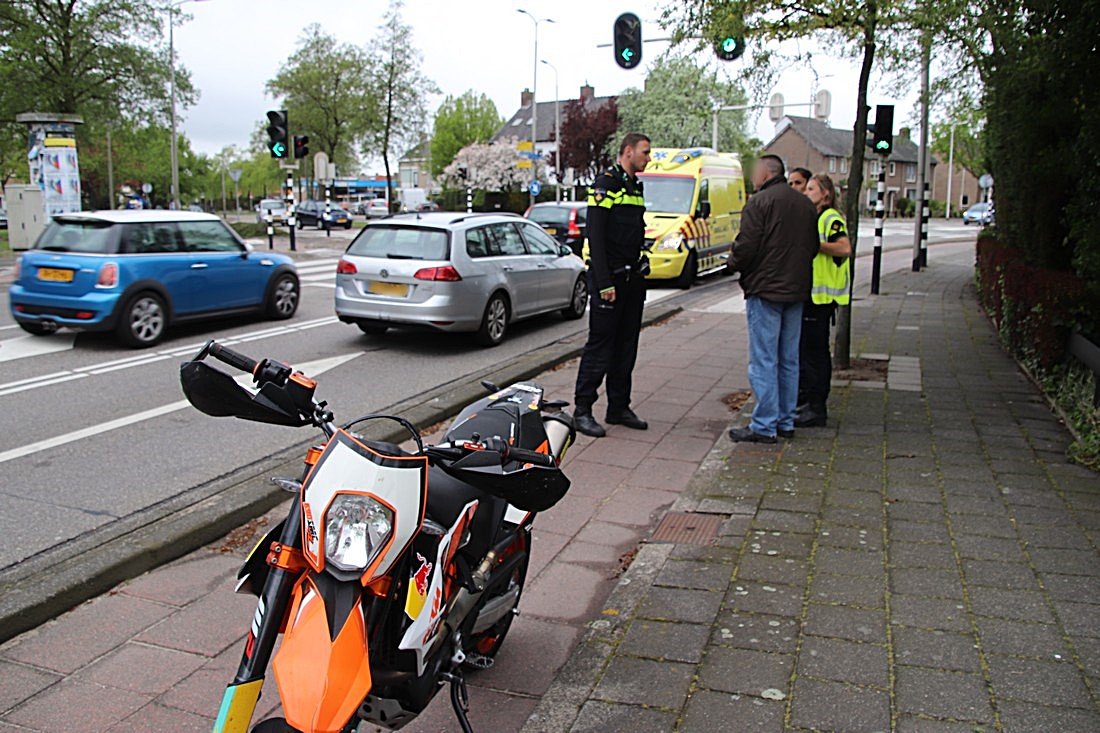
(249, 229)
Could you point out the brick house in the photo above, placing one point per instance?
(803, 142)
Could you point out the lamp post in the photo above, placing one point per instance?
(557, 133)
(172, 93)
(534, 97)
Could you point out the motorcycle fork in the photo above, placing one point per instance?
(241, 695)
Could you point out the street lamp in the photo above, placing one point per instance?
(535, 96)
(557, 133)
(172, 93)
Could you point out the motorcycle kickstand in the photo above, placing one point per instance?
(460, 699)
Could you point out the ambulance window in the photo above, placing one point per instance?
(704, 197)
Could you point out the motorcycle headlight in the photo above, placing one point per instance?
(670, 242)
(356, 530)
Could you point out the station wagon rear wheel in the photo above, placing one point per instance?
(494, 324)
(578, 302)
(282, 299)
(142, 321)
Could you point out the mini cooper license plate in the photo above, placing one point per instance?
(399, 290)
(55, 275)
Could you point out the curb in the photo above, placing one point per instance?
(50, 583)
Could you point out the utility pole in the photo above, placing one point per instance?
(950, 169)
(557, 134)
(920, 226)
(534, 99)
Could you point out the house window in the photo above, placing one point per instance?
(843, 165)
(910, 172)
(832, 165)
(893, 169)
(876, 166)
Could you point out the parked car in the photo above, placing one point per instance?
(138, 272)
(456, 272)
(377, 209)
(980, 214)
(428, 206)
(566, 222)
(312, 213)
(277, 207)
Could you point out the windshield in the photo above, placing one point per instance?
(273, 204)
(668, 194)
(400, 243)
(550, 215)
(93, 236)
(979, 208)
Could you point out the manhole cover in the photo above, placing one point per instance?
(685, 528)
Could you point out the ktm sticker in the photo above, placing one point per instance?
(418, 588)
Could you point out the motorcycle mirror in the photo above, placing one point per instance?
(489, 386)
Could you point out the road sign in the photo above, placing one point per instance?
(523, 163)
(530, 155)
(320, 166)
(985, 181)
(235, 174)
(148, 187)
(525, 146)
(535, 188)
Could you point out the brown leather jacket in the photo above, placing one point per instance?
(775, 249)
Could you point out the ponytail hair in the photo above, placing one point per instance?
(831, 201)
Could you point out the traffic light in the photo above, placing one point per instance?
(628, 40)
(277, 133)
(301, 146)
(884, 129)
(729, 47)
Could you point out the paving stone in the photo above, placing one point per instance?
(849, 517)
(1005, 549)
(906, 531)
(1018, 717)
(770, 520)
(777, 600)
(157, 717)
(845, 622)
(790, 501)
(206, 626)
(18, 682)
(529, 639)
(848, 590)
(1042, 641)
(597, 717)
(706, 553)
(843, 561)
(782, 544)
(743, 671)
(566, 591)
(928, 613)
(987, 526)
(718, 711)
(186, 579)
(849, 537)
(60, 707)
(922, 555)
(999, 574)
(844, 661)
(772, 569)
(926, 582)
(665, 473)
(942, 694)
(142, 668)
(1047, 683)
(1079, 619)
(636, 506)
(760, 632)
(1069, 562)
(644, 682)
(937, 649)
(915, 724)
(697, 575)
(597, 532)
(835, 706)
(1021, 605)
(671, 641)
(680, 604)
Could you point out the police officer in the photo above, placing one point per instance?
(831, 287)
(616, 280)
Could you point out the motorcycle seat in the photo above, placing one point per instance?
(446, 497)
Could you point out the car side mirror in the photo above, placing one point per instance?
(246, 251)
(564, 251)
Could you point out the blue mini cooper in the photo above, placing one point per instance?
(137, 272)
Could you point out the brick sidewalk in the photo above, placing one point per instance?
(928, 562)
(155, 653)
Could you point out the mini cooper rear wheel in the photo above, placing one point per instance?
(142, 321)
(282, 297)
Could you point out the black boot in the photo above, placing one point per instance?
(587, 424)
(813, 416)
(627, 419)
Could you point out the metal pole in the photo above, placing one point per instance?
(328, 209)
(225, 206)
(950, 169)
(291, 223)
(922, 157)
(110, 173)
(880, 213)
(469, 200)
(172, 94)
(714, 130)
(557, 138)
(535, 114)
(270, 230)
(925, 216)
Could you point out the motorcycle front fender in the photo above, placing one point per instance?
(322, 668)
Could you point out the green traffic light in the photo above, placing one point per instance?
(882, 145)
(729, 45)
(279, 149)
(627, 54)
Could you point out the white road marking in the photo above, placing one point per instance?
(732, 304)
(652, 296)
(21, 347)
(5, 328)
(311, 368)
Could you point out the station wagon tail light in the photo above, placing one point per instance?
(574, 230)
(108, 275)
(446, 273)
(343, 267)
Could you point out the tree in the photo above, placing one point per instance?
(969, 147)
(489, 167)
(468, 118)
(586, 132)
(688, 123)
(402, 90)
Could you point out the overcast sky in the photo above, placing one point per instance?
(232, 47)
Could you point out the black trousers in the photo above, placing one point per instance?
(815, 363)
(612, 346)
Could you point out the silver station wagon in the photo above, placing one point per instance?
(457, 272)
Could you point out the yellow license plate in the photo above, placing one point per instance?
(551, 231)
(55, 275)
(380, 288)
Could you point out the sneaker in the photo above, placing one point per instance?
(748, 435)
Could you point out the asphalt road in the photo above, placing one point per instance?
(91, 431)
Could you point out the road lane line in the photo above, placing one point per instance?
(22, 347)
(55, 380)
(312, 368)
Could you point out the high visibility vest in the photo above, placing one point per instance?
(831, 281)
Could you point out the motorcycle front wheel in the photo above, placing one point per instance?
(488, 642)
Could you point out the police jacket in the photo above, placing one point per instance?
(775, 248)
(616, 224)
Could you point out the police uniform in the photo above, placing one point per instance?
(831, 287)
(616, 234)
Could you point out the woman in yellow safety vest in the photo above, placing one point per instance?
(831, 287)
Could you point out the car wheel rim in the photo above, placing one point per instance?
(497, 319)
(286, 297)
(580, 296)
(146, 319)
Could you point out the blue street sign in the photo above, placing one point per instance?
(535, 188)
(530, 155)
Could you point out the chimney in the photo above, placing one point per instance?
(525, 98)
(904, 133)
(587, 92)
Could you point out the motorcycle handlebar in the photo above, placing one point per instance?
(232, 358)
(529, 456)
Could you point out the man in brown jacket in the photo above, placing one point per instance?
(774, 253)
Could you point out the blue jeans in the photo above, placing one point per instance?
(774, 331)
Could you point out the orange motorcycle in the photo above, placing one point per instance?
(393, 572)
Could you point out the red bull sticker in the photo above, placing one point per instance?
(418, 588)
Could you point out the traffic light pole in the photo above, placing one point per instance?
(920, 234)
(880, 213)
(291, 223)
(270, 230)
(328, 208)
